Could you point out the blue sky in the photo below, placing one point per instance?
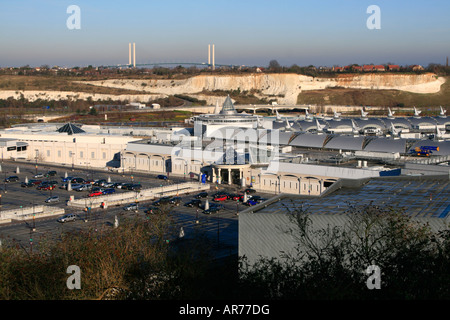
(302, 32)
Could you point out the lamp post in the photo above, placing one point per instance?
(34, 222)
(37, 154)
(122, 164)
(31, 241)
(218, 229)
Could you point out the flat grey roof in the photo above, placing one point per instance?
(411, 195)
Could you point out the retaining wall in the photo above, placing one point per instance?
(28, 213)
(138, 196)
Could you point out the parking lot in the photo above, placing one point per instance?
(220, 226)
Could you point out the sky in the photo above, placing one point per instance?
(244, 32)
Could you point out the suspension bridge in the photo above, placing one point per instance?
(132, 64)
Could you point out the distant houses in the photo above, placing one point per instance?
(376, 68)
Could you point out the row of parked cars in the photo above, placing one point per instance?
(49, 174)
(251, 199)
(223, 196)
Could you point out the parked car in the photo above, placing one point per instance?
(51, 173)
(160, 201)
(66, 179)
(162, 177)
(258, 199)
(95, 193)
(35, 182)
(75, 186)
(118, 185)
(27, 185)
(237, 197)
(126, 186)
(220, 194)
(175, 201)
(100, 182)
(77, 180)
(222, 197)
(87, 186)
(249, 190)
(83, 187)
(201, 195)
(131, 206)
(67, 218)
(109, 191)
(193, 203)
(211, 210)
(38, 175)
(45, 187)
(135, 187)
(251, 202)
(52, 199)
(108, 185)
(12, 179)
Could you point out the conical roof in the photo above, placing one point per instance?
(228, 107)
(217, 108)
(70, 129)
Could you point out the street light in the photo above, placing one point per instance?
(34, 223)
(37, 154)
(218, 229)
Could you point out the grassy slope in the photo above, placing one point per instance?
(362, 97)
(50, 83)
(171, 116)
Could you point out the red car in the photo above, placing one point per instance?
(238, 197)
(49, 187)
(220, 198)
(96, 193)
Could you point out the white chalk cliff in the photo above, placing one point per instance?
(283, 87)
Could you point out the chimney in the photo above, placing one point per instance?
(213, 58)
(209, 55)
(134, 55)
(129, 53)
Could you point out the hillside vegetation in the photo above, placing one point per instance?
(364, 97)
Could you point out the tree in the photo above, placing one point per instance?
(93, 111)
(330, 262)
(274, 65)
